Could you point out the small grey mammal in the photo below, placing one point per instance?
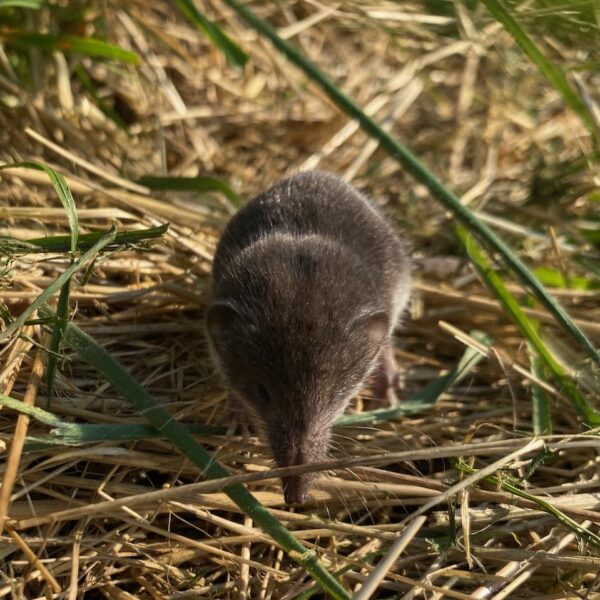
(309, 281)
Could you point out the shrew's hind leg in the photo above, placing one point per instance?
(386, 380)
(237, 417)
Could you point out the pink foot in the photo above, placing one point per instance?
(237, 416)
(386, 380)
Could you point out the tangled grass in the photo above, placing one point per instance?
(488, 488)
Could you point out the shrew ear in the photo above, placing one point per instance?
(375, 326)
(220, 319)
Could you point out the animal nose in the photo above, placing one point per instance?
(295, 489)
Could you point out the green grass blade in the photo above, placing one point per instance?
(85, 433)
(43, 416)
(65, 433)
(314, 589)
(192, 184)
(62, 317)
(541, 417)
(528, 329)
(412, 164)
(72, 44)
(33, 4)
(553, 73)
(26, 41)
(76, 434)
(426, 397)
(66, 198)
(61, 243)
(554, 278)
(162, 420)
(96, 48)
(34, 443)
(10, 245)
(77, 265)
(233, 53)
(63, 192)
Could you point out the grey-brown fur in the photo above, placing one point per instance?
(309, 282)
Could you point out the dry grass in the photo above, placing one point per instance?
(131, 520)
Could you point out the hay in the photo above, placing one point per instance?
(135, 520)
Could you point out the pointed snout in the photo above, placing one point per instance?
(295, 488)
(295, 446)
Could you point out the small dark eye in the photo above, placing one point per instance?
(262, 395)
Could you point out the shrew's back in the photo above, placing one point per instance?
(314, 202)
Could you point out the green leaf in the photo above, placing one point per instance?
(541, 417)
(72, 44)
(96, 48)
(75, 434)
(75, 266)
(162, 420)
(25, 41)
(33, 4)
(11, 245)
(65, 433)
(61, 243)
(66, 198)
(63, 192)
(80, 433)
(553, 73)
(192, 184)
(62, 317)
(418, 170)
(233, 53)
(554, 278)
(39, 414)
